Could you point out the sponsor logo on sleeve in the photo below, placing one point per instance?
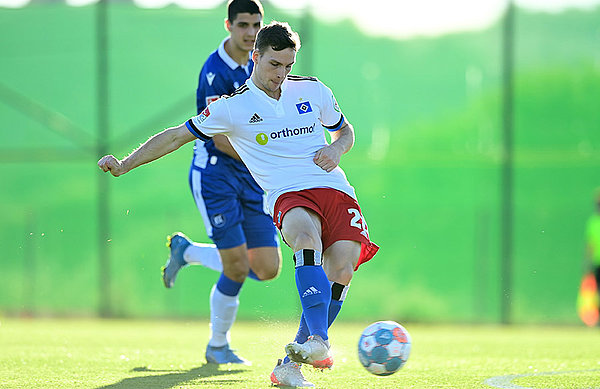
(205, 114)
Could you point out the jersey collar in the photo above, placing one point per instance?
(230, 61)
(262, 93)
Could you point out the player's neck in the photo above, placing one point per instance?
(274, 95)
(238, 55)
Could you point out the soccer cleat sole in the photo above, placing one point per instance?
(163, 269)
(274, 380)
(167, 284)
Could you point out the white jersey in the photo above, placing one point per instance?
(278, 139)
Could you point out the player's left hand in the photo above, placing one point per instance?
(328, 158)
(109, 163)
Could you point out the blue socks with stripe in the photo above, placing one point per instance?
(335, 305)
(315, 292)
(338, 294)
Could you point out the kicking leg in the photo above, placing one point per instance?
(338, 294)
(301, 229)
(341, 258)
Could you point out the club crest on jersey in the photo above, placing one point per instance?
(304, 107)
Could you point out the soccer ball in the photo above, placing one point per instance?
(384, 347)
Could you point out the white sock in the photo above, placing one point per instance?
(204, 254)
(223, 310)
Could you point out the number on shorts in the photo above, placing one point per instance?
(357, 220)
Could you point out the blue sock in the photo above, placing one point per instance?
(335, 305)
(338, 294)
(303, 332)
(334, 309)
(228, 286)
(315, 292)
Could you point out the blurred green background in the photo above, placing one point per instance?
(427, 164)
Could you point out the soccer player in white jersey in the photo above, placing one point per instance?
(276, 123)
(229, 199)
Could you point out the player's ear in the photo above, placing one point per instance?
(227, 24)
(255, 55)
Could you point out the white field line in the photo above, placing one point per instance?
(505, 381)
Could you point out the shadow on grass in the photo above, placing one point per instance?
(174, 377)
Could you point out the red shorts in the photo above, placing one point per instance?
(341, 218)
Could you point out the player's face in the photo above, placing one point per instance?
(243, 30)
(271, 67)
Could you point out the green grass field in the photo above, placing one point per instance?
(89, 353)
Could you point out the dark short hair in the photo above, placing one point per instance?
(278, 36)
(235, 7)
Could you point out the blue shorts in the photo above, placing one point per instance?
(232, 204)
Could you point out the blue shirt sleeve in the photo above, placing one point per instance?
(210, 87)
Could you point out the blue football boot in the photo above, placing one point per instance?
(177, 243)
(222, 355)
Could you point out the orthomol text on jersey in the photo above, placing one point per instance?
(263, 139)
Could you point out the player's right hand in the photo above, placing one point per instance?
(109, 163)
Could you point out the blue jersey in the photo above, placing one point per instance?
(220, 75)
(230, 201)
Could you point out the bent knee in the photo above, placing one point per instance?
(342, 275)
(307, 240)
(340, 270)
(236, 268)
(267, 274)
(265, 262)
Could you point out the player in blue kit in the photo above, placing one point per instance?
(228, 198)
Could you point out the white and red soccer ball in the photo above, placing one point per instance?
(384, 347)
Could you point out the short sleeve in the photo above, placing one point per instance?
(331, 115)
(213, 120)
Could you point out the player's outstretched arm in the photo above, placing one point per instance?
(342, 141)
(157, 146)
